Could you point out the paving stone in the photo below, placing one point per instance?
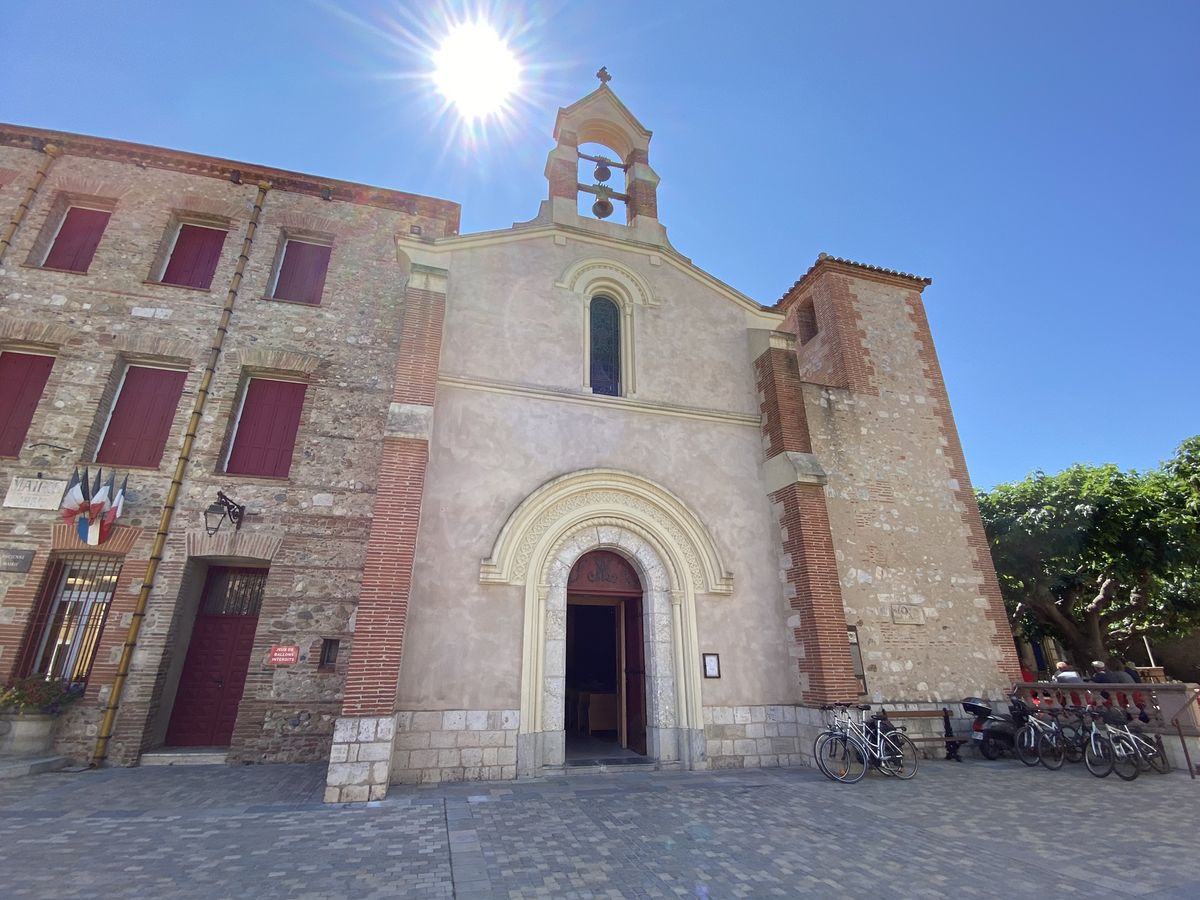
(955, 830)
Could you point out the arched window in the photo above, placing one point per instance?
(605, 347)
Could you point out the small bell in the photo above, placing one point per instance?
(602, 208)
(603, 172)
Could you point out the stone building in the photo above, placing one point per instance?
(513, 500)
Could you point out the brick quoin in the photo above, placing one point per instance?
(785, 426)
(965, 495)
(806, 539)
(373, 672)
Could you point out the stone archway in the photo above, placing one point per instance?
(674, 558)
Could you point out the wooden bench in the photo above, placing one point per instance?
(948, 737)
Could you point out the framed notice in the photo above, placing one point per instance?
(712, 665)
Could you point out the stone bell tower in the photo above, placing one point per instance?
(601, 118)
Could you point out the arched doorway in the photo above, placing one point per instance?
(675, 560)
(605, 697)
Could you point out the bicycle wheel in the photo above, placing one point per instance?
(1157, 757)
(1025, 742)
(1073, 741)
(1098, 755)
(899, 755)
(1125, 757)
(818, 743)
(1051, 749)
(821, 750)
(843, 759)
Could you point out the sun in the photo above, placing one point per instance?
(475, 70)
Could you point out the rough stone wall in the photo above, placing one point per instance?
(914, 578)
(318, 517)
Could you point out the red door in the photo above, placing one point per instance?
(635, 676)
(214, 671)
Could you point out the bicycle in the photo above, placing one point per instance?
(1106, 752)
(846, 748)
(1151, 755)
(1058, 743)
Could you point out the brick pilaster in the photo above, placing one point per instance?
(360, 765)
(810, 565)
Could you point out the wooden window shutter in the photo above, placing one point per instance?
(266, 429)
(77, 239)
(23, 377)
(141, 418)
(302, 272)
(195, 256)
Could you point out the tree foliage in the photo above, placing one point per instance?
(1098, 557)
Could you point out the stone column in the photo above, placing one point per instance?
(364, 734)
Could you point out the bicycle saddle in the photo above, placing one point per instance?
(865, 707)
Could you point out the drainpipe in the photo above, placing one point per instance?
(168, 511)
(51, 153)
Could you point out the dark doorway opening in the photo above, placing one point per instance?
(606, 679)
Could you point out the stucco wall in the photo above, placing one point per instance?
(492, 448)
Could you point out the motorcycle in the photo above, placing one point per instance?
(993, 734)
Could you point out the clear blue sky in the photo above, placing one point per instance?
(1038, 160)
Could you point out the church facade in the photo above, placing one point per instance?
(491, 505)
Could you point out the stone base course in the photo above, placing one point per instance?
(752, 737)
(433, 746)
(359, 759)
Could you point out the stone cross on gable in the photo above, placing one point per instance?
(603, 75)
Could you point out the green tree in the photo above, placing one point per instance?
(1098, 557)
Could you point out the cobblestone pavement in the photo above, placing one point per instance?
(971, 829)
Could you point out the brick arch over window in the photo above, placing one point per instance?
(675, 559)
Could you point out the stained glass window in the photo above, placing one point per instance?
(606, 347)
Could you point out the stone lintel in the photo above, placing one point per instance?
(409, 420)
(792, 467)
(428, 278)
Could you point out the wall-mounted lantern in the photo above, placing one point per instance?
(223, 509)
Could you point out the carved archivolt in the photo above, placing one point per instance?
(605, 276)
(604, 497)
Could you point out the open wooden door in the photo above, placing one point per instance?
(635, 675)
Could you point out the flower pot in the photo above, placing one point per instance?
(26, 734)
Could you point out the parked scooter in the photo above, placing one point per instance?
(995, 735)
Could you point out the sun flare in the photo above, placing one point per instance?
(475, 70)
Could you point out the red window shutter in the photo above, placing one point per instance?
(195, 256)
(266, 430)
(141, 418)
(22, 380)
(302, 272)
(77, 239)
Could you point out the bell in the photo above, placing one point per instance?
(603, 172)
(602, 208)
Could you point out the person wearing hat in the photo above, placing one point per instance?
(1102, 675)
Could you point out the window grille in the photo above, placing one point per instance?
(234, 592)
(605, 347)
(79, 590)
